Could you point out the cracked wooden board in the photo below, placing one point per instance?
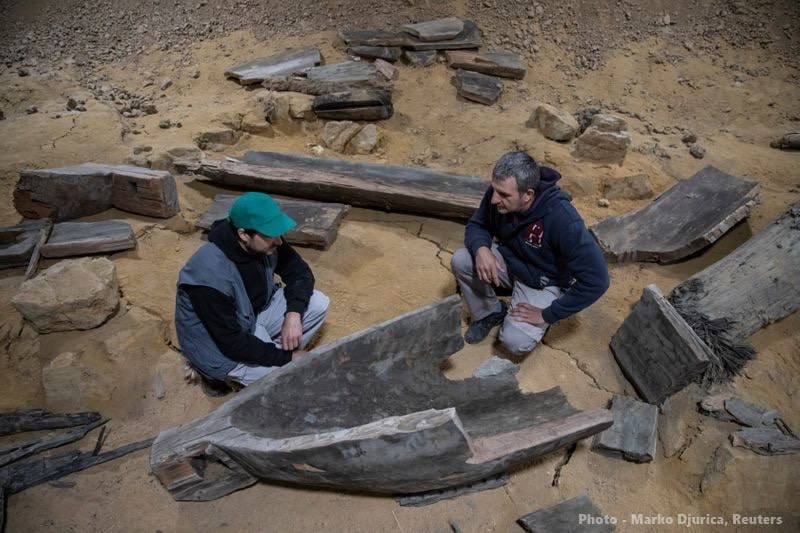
(18, 242)
(83, 238)
(478, 87)
(683, 220)
(288, 62)
(317, 222)
(402, 428)
(356, 104)
(633, 435)
(495, 63)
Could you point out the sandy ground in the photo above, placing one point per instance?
(385, 264)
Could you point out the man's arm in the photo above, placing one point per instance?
(217, 312)
(297, 279)
(477, 233)
(585, 262)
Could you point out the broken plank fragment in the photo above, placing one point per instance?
(386, 69)
(478, 87)
(316, 87)
(17, 242)
(565, 517)
(436, 30)
(20, 450)
(84, 238)
(633, 434)
(685, 219)
(374, 38)
(144, 191)
(288, 62)
(38, 419)
(657, 350)
(387, 53)
(766, 441)
(420, 59)
(497, 63)
(428, 498)
(317, 222)
(347, 72)
(388, 187)
(36, 254)
(357, 104)
(470, 37)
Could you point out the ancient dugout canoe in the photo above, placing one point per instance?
(683, 220)
(371, 412)
(392, 188)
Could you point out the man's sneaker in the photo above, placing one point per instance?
(479, 330)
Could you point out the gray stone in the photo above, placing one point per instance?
(436, 30)
(72, 294)
(478, 87)
(386, 69)
(790, 141)
(602, 146)
(697, 151)
(166, 84)
(553, 123)
(421, 58)
(636, 187)
(610, 123)
(365, 141)
(337, 134)
(495, 366)
(216, 137)
(633, 434)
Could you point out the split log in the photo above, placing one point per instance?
(357, 104)
(404, 429)
(565, 517)
(288, 62)
(633, 434)
(685, 219)
(470, 37)
(478, 87)
(144, 191)
(39, 419)
(84, 238)
(18, 242)
(317, 222)
(436, 30)
(20, 450)
(316, 87)
(395, 188)
(387, 53)
(44, 233)
(498, 63)
(657, 350)
(347, 72)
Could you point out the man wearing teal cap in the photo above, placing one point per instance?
(233, 322)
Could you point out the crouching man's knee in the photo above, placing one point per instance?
(318, 305)
(461, 262)
(517, 341)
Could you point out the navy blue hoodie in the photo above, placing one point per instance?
(546, 245)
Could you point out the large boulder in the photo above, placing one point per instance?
(72, 294)
(605, 141)
(553, 123)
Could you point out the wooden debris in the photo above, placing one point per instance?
(374, 38)
(387, 53)
(317, 87)
(790, 141)
(565, 517)
(84, 238)
(470, 37)
(39, 419)
(478, 87)
(287, 62)
(348, 72)
(414, 190)
(386, 69)
(317, 222)
(144, 191)
(657, 350)
(749, 414)
(685, 219)
(357, 104)
(436, 30)
(18, 242)
(405, 429)
(497, 63)
(420, 59)
(428, 498)
(766, 441)
(20, 450)
(44, 233)
(633, 434)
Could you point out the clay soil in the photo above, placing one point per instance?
(734, 95)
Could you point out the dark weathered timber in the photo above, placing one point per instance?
(420, 59)
(144, 191)
(470, 37)
(347, 72)
(766, 441)
(657, 350)
(36, 254)
(564, 517)
(435, 30)
(495, 63)
(39, 419)
(387, 53)
(18, 242)
(478, 87)
(316, 87)
(749, 414)
(317, 222)
(790, 141)
(23, 449)
(404, 429)
(387, 187)
(683, 220)
(357, 104)
(633, 435)
(288, 62)
(374, 38)
(428, 498)
(83, 238)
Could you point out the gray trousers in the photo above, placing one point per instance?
(519, 337)
(268, 328)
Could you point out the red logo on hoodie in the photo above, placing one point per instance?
(534, 233)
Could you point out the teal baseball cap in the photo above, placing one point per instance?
(258, 211)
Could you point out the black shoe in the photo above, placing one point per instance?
(215, 388)
(479, 330)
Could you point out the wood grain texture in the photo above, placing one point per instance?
(495, 63)
(564, 517)
(633, 434)
(478, 87)
(84, 238)
(288, 62)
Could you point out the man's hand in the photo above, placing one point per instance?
(527, 313)
(292, 331)
(487, 266)
(297, 354)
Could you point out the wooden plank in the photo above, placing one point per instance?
(317, 87)
(683, 220)
(287, 62)
(84, 238)
(478, 87)
(405, 429)
(18, 243)
(428, 498)
(766, 441)
(436, 30)
(20, 450)
(357, 104)
(387, 187)
(44, 233)
(374, 38)
(347, 72)
(657, 350)
(565, 517)
(495, 63)
(144, 191)
(387, 53)
(39, 419)
(633, 434)
(317, 222)
(470, 37)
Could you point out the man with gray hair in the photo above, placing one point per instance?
(526, 236)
